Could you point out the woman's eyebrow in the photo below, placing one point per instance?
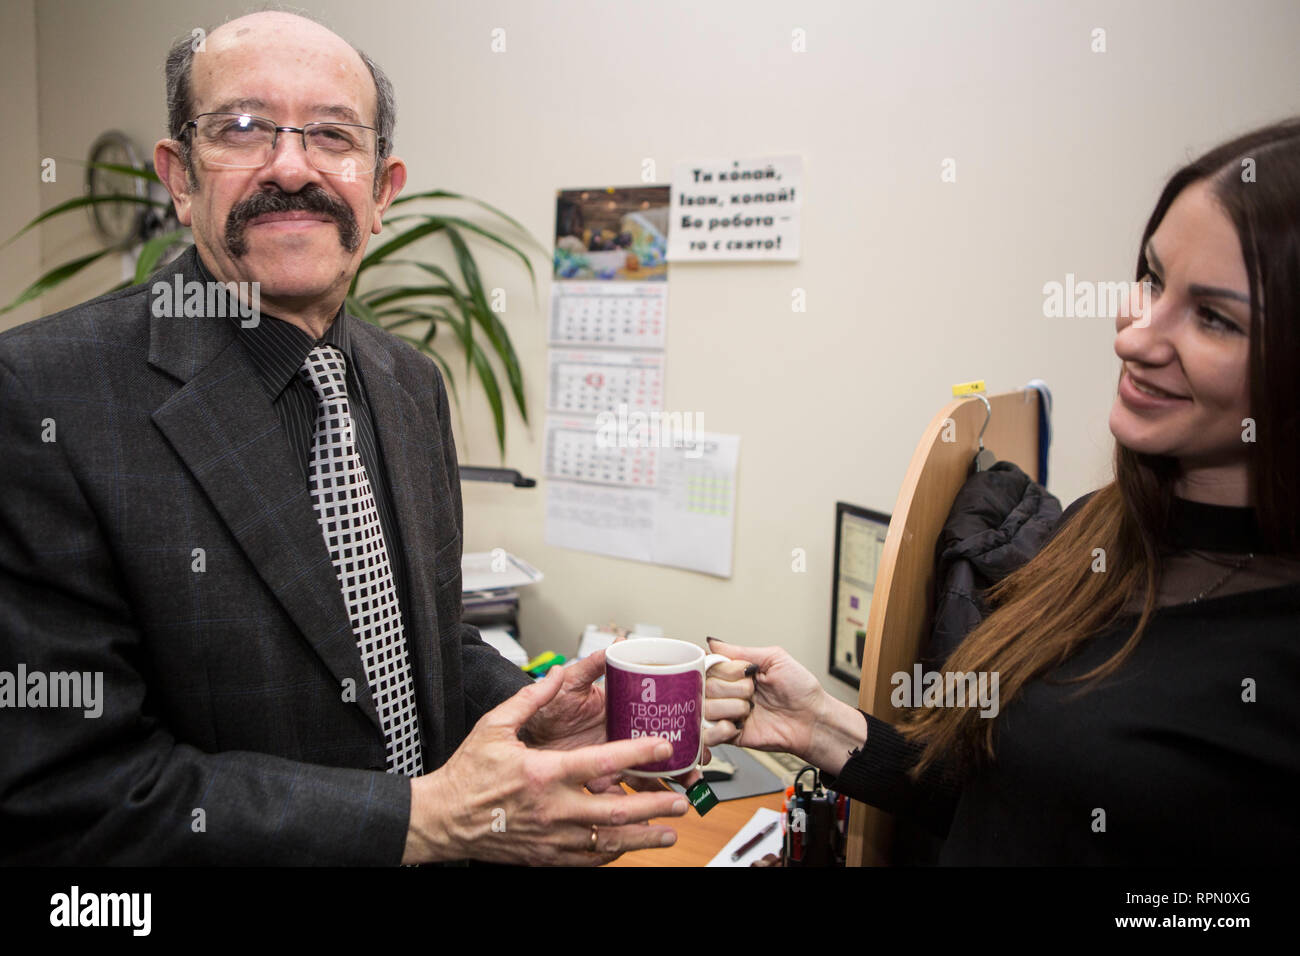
(1215, 292)
(1204, 291)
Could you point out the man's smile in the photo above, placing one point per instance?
(276, 212)
(294, 220)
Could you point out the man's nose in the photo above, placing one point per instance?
(288, 166)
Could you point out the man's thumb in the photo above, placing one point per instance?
(516, 711)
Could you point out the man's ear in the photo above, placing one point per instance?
(394, 178)
(171, 170)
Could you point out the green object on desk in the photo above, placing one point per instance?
(542, 663)
(702, 797)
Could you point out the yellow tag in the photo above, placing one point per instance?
(968, 388)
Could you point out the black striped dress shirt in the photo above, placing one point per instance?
(278, 351)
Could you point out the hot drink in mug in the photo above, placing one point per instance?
(654, 687)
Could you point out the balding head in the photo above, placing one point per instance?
(288, 210)
(272, 34)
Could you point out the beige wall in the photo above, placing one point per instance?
(21, 199)
(912, 284)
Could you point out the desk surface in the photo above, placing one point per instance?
(699, 838)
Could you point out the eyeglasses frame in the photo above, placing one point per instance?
(193, 125)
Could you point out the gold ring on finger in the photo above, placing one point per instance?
(591, 847)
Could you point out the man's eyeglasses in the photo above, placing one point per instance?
(244, 141)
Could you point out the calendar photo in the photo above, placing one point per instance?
(612, 233)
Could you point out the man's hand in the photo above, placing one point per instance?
(576, 716)
(500, 801)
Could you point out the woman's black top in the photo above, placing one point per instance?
(1189, 753)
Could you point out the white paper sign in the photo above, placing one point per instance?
(736, 209)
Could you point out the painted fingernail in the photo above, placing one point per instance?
(668, 839)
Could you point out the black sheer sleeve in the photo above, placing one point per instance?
(876, 773)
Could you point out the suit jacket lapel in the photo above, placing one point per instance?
(408, 445)
(230, 437)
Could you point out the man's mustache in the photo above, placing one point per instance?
(311, 198)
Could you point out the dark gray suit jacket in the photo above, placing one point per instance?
(226, 734)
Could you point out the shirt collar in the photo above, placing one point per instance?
(1194, 524)
(277, 348)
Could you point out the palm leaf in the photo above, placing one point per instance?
(410, 292)
(490, 387)
(449, 221)
(361, 309)
(146, 174)
(392, 245)
(153, 251)
(444, 194)
(53, 278)
(80, 202)
(488, 319)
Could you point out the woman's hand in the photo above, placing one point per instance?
(778, 708)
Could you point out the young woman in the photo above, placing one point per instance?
(1148, 711)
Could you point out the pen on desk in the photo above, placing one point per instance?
(754, 841)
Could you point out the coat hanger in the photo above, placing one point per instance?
(984, 459)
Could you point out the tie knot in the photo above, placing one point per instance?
(326, 369)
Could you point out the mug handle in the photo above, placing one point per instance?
(709, 661)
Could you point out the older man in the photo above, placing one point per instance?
(251, 528)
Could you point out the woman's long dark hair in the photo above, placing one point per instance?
(1047, 608)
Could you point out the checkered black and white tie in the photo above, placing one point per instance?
(349, 519)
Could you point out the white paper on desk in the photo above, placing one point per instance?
(769, 844)
(505, 644)
(685, 520)
(492, 570)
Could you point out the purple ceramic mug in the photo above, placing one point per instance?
(654, 687)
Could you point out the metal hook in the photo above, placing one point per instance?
(984, 459)
(988, 413)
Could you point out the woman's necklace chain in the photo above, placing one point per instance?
(1219, 583)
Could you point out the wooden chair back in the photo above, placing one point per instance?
(902, 604)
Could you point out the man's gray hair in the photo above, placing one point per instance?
(180, 102)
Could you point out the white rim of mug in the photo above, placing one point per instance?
(656, 668)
